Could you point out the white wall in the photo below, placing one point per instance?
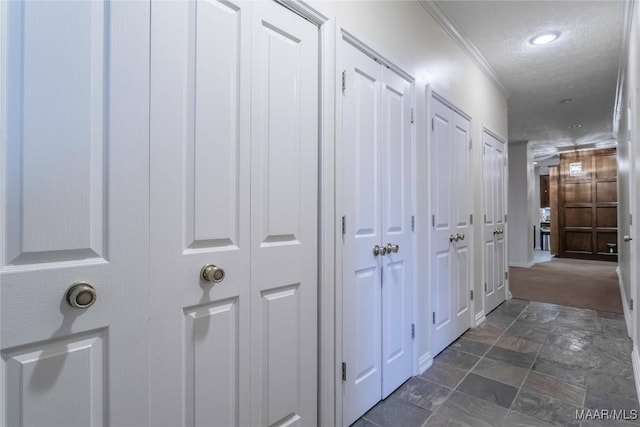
(626, 128)
(520, 201)
(405, 33)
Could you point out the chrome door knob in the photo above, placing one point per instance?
(452, 238)
(495, 231)
(212, 273)
(379, 250)
(81, 295)
(392, 248)
(627, 238)
(460, 236)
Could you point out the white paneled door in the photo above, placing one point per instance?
(451, 238)
(378, 239)
(74, 186)
(494, 221)
(234, 178)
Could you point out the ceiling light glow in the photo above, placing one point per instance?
(544, 38)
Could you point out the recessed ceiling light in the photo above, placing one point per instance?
(576, 126)
(535, 163)
(544, 38)
(566, 101)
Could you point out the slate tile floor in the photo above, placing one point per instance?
(528, 364)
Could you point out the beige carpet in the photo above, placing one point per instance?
(572, 282)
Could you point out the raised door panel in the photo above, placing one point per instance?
(500, 256)
(361, 270)
(74, 180)
(200, 160)
(397, 206)
(490, 219)
(284, 220)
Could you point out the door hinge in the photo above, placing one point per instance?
(470, 143)
(344, 81)
(485, 218)
(631, 303)
(344, 225)
(434, 317)
(471, 292)
(413, 331)
(471, 219)
(504, 161)
(630, 219)
(506, 275)
(413, 223)
(505, 217)
(433, 124)
(433, 220)
(412, 115)
(344, 371)
(485, 288)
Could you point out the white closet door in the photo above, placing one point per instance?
(397, 274)
(284, 217)
(462, 197)
(200, 171)
(442, 191)
(74, 185)
(361, 270)
(451, 236)
(494, 226)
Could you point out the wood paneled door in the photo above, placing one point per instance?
(588, 205)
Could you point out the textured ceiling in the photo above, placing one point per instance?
(582, 64)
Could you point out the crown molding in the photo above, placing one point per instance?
(618, 107)
(464, 43)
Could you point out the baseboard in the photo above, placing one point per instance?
(523, 265)
(625, 303)
(480, 317)
(635, 361)
(424, 362)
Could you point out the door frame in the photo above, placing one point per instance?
(339, 36)
(505, 166)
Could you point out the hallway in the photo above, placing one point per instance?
(528, 364)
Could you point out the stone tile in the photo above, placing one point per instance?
(555, 387)
(457, 358)
(584, 323)
(486, 389)
(582, 359)
(485, 333)
(616, 347)
(538, 306)
(500, 321)
(471, 411)
(468, 346)
(597, 399)
(509, 309)
(528, 331)
(519, 345)
(522, 360)
(609, 315)
(424, 394)
(500, 371)
(565, 371)
(571, 339)
(363, 422)
(540, 318)
(612, 326)
(440, 421)
(515, 419)
(574, 312)
(444, 374)
(395, 412)
(545, 408)
(623, 386)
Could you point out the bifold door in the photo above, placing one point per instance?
(451, 237)
(74, 214)
(234, 173)
(494, 221)
(378, 239)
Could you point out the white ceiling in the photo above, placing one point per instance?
(582, 63)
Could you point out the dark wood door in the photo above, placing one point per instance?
(544, 191)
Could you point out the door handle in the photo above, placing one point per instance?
(212, 273)
(452, 237)
(627, 238)
(81, 295)
(460, 236)
(392, 248)
(379, 250)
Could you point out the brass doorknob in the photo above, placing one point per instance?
(81, 295)
(212, 273)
